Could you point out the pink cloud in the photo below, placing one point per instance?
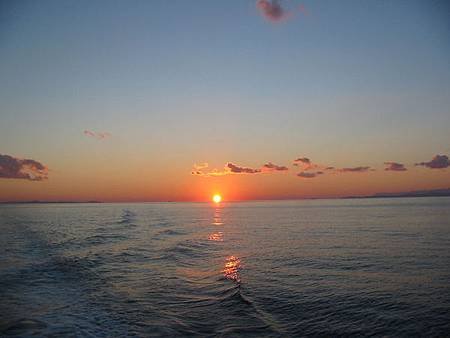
(97, 135)
(15, 168)
(394, 166)
(272, 10)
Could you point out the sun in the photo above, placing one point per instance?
(217, 198)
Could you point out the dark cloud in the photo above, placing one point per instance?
(241, 170)
(304, 174)
(97, 135)
(438, 162)
(355, 170)
(11, 167)
(273, 167)
(305, 163)
(329, 168)
(274, 12)
(303, 160)
(394, 166)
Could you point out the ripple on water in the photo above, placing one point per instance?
(216, 237)
(232, 268)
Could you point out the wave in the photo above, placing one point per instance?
(128, 218)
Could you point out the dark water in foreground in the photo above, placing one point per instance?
(326, 268)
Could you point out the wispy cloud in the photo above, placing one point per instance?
(27, 169)
(394, 166)
(197, 168)
(202, 169)
(355, 170)
(273, 167)
(239, 170)
(231, 168)
(437, 162)
(96, 135)
(305, 174)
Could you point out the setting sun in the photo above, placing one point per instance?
(217, 198)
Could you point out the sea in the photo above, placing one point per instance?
(325, 268)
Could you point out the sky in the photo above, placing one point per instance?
(178, 100)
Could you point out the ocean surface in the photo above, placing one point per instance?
(284, 268)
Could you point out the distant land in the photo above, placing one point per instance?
(416, 193)
(47, 202)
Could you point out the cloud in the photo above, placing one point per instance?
(303, 160)
(11, 167)
(355, 170)
(97, 135)
(438, 162)
(272, 10)
(231, 168)
(239, 170)
(304, 174)
(201, 166)
(305, 163)
(273, 167)
(197, 169)
(394, 166)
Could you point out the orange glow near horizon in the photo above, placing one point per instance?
(217, 198)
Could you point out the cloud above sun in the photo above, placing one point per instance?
(26, 169)
(309, 169)
(231, 168)
(239, 170)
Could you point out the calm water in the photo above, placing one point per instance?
(291, 268)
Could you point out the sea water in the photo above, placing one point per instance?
(277, 268)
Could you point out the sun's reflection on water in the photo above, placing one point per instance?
(217, 218)
(217, 236)
(232, 267)
(232, 263)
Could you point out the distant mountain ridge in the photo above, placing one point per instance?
(415, 193)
